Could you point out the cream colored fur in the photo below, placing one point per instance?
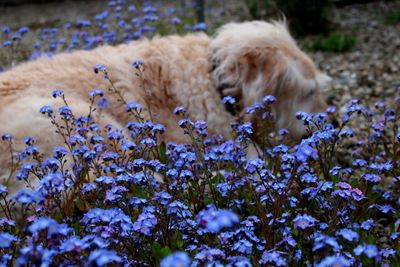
(246, 60)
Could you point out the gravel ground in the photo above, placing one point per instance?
(371, 71)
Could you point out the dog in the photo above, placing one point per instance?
(245, 60)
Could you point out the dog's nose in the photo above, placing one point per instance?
(306, 135)
(335, 123)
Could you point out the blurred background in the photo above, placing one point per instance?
(357, 42)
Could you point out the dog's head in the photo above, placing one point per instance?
(255, 59)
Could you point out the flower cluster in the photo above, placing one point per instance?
(120, 22)
(114, 196)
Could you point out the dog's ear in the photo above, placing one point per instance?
(249, 73)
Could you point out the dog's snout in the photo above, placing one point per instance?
(335, 123)
(306, 135)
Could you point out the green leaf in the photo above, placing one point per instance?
(160, 252)
(162, 148)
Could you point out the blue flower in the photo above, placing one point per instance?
(103, 257)
(100, 68)
(304, 221)
(179, 209)
(269, 99)
(65, 112)
(137, 63)
(7, 43)
(210, 254)
(338, 261)
(176, 259)
(3, 189)
(6, 137)
(96, 92)
(110, 155)
(180, 110)
(321, 240)
(57, 93)
(60, 152)
(243, 246)
(348, 234)
(200, 26)
(387, 252)
(370, 177)
(275, 257)
(214, 220)
(228, 100)
(49, 224)
(51, 183)
(224, 188)
(26, 196)
(145, 222)
(368, 224)
(48, 110)
(369, 250)
(133, 106)
(5, 30)
(6, 239)
(305, 152)
(309, 178)
(245, 128)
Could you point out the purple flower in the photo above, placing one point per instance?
(176, 259)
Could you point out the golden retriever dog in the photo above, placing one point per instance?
(246, 60)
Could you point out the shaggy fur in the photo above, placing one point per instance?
(245, 60)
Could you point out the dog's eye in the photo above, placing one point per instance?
(311, 92)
